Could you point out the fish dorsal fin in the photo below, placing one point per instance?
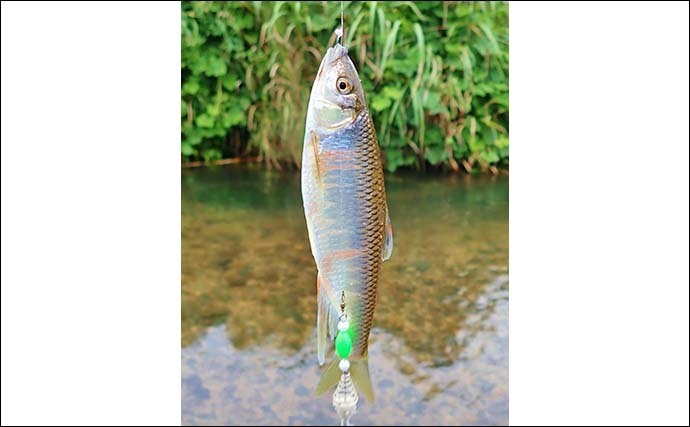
(388, 238)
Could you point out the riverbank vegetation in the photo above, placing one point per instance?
(435, 75)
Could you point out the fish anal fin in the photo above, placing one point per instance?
(321, 321)
(326, 318)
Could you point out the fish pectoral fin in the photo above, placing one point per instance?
(314, 141)
(387, 250)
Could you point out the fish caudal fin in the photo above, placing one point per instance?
(359, 371)
(329, 379)
(360, 376)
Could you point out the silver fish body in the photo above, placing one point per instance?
(345, 207)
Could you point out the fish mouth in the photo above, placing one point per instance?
(335, 53)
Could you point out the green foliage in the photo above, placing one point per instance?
(435, 75)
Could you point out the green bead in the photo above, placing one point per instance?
(343, 344)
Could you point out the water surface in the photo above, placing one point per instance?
(439, 347)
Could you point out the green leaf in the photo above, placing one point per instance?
(476, 145)
(230, 81)
(397, 141)
(388, 47)
(213, 110)
(453, 48)
(234, 117)
(320, 22)
(242, 22)
(211, 154)
(397, 158)
(193, 137)
(436, 155)
(216, 67)
(187, 149)
(482, 89)
(490, 35)
(393, 92)
(489, 156)
(380, 103)
(191, 87)
(232, 44)
(459, 148)
(434, 105)
(251, 38)
(406, 64)
(501, 142)
(204, 121)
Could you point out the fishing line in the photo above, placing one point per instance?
(342, 19)
(340, 30)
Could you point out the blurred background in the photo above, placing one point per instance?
(435, 75)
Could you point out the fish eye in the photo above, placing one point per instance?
(343, 85)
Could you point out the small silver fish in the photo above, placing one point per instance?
(344, 197)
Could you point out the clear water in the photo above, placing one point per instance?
(438, 352)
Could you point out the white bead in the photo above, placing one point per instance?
(344, 365)
(343, 325)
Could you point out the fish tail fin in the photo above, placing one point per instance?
(329, 379)
(359, 371)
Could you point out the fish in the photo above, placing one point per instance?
(346, 210)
